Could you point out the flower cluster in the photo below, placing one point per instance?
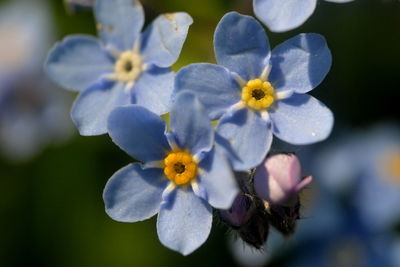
(186, 167)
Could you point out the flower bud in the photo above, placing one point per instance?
(278, 180)
(239, 213)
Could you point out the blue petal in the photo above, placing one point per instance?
(217, 180)
(139, 132)
(281, 16)
(134, 194)
(119, 22)
(241, 45)
(212, 84)
(163, 40)
(301, 120)
(77, 62)
(153, 89)
(190, 124)
(92, 107)
(248, 134)
(184, 222)
(301, 63)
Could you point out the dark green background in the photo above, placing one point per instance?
(51, 208)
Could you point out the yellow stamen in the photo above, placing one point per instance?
(180, 167)
(258, 95)
(128, 67)
(391, 165)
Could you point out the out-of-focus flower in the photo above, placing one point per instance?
(246, 255)
(278, 180)
(125, 66)
(32, 112)
(255, 92)
(281, 16)
(23, 41)
(364, 167)
(338, 164)
(183, 175)
(334, 234)
(378, 195)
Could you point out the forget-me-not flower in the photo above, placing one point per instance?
(364, 166)
(378, 194)
(181, 177)
(123, 67)
(285, 15)
(255, 92)
(334, 234)
(32, 113)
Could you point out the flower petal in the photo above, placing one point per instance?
(139, 132)
(301, 120)
(134, 194)
(249, 135)
(190, 124)
(153, 90)
(77, 62)
(184, 222)
(281, 16)
(162, 41)
(301, 63)
(241, 45)
(212, 84)
(119, 22)
(217, 180)
(92, 107)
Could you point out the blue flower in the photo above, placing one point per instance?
(181, 176)
(378, 196)
(255, 92)
(123, 67)
(334, 234)
(281, 16)
(32, 113)
(365, 167)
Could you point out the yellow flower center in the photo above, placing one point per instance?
(391, 165)
(258, 95)
(180, 167)
(128, 66)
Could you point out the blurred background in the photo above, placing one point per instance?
(51, 179)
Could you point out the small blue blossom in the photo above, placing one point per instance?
(32, 113)
(255, 92)
(334, 234)
(181, 177)
(378, 196)
(281, 16)
(365, 167)
(125, 66)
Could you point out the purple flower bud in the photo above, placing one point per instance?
(278, 180)
(239, 213)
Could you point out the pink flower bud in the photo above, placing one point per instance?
(278, 179)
